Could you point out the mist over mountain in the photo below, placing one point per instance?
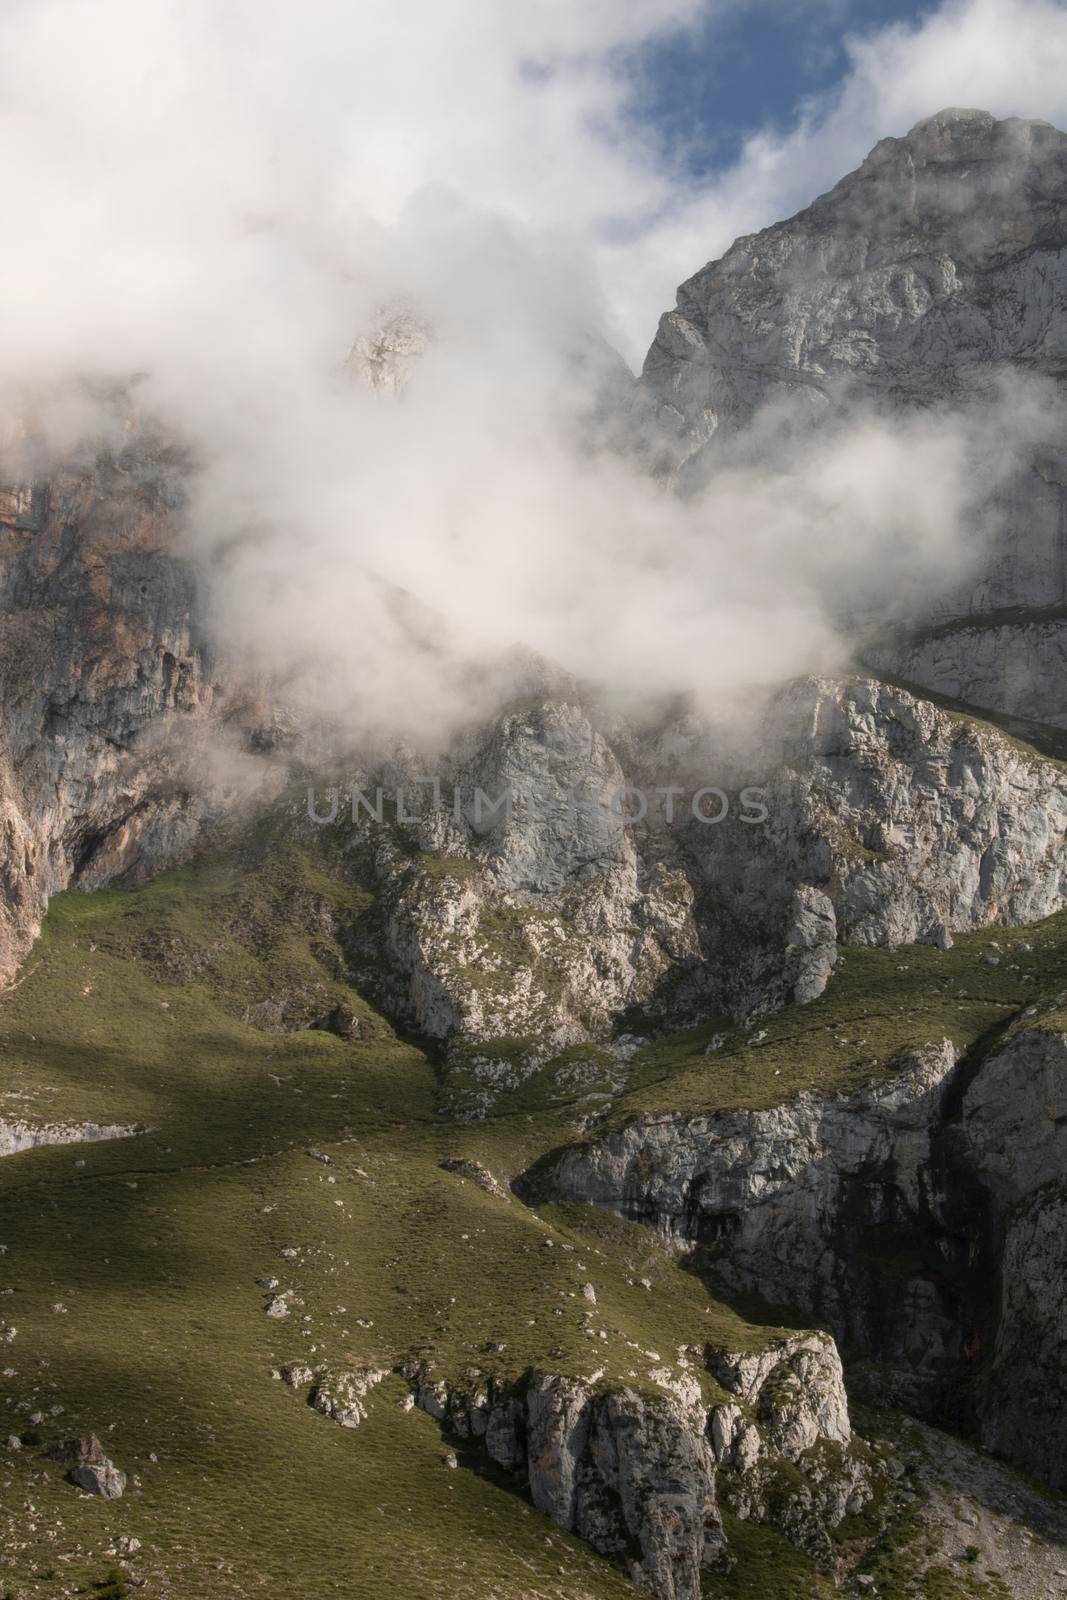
(533, 884)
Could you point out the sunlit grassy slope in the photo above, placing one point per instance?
(128, 1012)
(133, 1265)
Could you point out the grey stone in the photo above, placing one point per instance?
(911, 286)
(342, 1395)
(101, 1478)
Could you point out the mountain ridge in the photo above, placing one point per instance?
(421, 1176)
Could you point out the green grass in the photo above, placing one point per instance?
(764, 1565)
(461, 869)
(130, 1010)
(910, 1565)
(879, 1005)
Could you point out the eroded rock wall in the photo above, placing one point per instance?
(100, 653)
(921, 1218)
(919, 283)
(636, 1473)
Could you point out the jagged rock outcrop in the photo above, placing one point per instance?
(791, 1412)
(885, 820)
(635, 1473)
(785, 1201)
(908, 819)
(886, 1214)
(882, 820)
(338, 1393)
(916, 282)
(342, 1396)
(621, 1468)
(102, 1478)
(796, 1391)
(100, 646)
(939, 254)
(519, 908)
(90, 1469)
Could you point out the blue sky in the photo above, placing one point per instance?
(750, 71)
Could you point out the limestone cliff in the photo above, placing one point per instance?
(916, 283)
(103, 675)
(637, 1474)
(882, 820)
(625, 875)
(887, 1214)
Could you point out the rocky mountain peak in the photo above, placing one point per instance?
(814, 1036)
(384, 356)
(962, 182)
(960, 133)
(912, 288)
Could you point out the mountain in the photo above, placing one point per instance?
(924, 278)
(637, 1165)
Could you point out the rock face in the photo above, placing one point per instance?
(882, 820)
(785, 1449)
(635, 1474)
(939, 254)
(918, 280)
(100, 644)
(1022, 1417)
(1011, 665)
(102, 1478)
(1014, 1122)
(622, 1468)
(888, 821)
(545, 924)
(784, 1201)
(796, 1389)
(886, 1214)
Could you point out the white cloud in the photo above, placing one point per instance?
(219, 197)
(144, 140)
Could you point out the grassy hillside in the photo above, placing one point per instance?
(880, 1004)
(132, 1266)
(151, 1247)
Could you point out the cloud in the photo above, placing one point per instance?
(159, 156)
(220, 199)
(163, 154)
